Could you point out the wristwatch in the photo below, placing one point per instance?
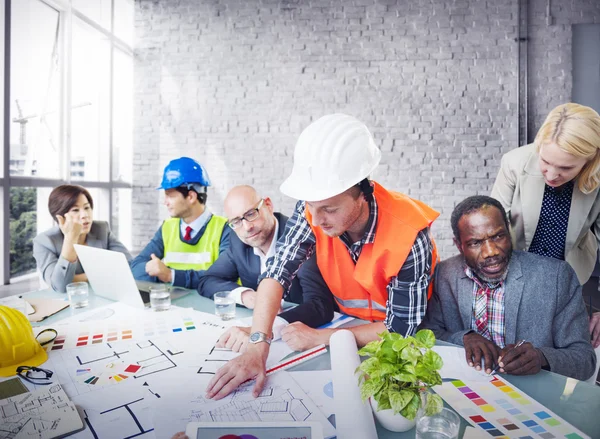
(257, 337)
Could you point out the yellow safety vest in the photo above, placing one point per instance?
(181, 255)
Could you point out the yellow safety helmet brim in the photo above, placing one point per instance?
(18, 346)
(39, 358)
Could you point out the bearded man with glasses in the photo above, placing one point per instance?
(257, 228)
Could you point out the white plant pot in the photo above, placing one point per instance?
(391, 421)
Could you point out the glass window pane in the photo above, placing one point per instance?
(101, 207)
(28, 215)
(35, 86)
(123, 117)
(121, 216)
(96, 10)
(124, 20)
(90, 104)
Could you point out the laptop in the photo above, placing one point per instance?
(109, 275)
(120, 285)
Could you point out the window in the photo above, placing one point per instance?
(71, 109)
(35, 89)
(90, 97)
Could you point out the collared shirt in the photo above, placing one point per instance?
(237, 293)
(270, 252)
(551, 232)
(196, 225)
(407, 292)
(494, 293)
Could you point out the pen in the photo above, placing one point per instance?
(520, 343)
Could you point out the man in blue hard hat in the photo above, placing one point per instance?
(189, 241)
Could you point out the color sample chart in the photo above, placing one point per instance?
(503, 411)
(151, 325)
(112, 373)
(87, 337)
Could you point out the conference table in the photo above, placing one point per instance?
(575, 401)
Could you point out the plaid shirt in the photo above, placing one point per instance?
(407, 292)
(495, 308)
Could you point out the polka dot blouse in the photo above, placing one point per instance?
(551, 232)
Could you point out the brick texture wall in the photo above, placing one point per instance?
(232, 83)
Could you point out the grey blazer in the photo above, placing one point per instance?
(520, 187)
(56, 271)
(543, 305)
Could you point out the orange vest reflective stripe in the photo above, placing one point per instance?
(361, 289)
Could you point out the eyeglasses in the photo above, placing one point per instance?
(249, 216)
(34, 374)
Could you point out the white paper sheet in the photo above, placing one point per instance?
(353, 418)
(455, 364)
(44, 413)
(318, 385)
(281, 400)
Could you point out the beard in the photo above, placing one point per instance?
(478, 269)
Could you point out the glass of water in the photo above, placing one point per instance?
(224, 305)
(79, 296)
(442, 425)
(160, 298)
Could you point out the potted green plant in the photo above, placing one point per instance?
(397, 378)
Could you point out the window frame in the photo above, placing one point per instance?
(66, 13)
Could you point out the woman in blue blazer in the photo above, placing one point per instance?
(72, 208)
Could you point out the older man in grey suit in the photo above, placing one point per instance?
(490, 297)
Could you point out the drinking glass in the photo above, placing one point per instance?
(442, 425)
(224, 305)
(78, 294)
(160, 298)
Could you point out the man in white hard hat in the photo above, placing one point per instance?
(373, 248)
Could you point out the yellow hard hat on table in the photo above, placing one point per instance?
(18, 346)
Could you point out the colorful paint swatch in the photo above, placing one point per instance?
(473, 396)
(490, 428)
(111, 373)
(133, 368)
(501, 410)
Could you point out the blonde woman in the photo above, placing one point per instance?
(550, 192)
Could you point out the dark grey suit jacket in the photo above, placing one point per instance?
(543, 305)
(56, 271)
(239, 261)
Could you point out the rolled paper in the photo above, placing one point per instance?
(353, 418)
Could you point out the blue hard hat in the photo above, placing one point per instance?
(184, 171)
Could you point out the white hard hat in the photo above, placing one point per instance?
(332, 154)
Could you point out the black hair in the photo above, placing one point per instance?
(473, 204)
(64, 197)
(185, 190)
(366, 188)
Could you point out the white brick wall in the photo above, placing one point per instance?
(232, 84)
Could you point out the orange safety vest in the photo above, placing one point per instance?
(361, 289)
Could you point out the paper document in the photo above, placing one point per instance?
(45, 414)
(281, 400)
(318, 385)
(353, 418)
(455, 364)
(498, 409)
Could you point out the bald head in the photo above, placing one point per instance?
(238, 198)
(243, 202)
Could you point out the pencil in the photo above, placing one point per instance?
(519, 343)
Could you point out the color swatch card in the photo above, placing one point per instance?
(141, 325)
(111, 373)
(503, 411)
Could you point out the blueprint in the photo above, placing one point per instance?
(45, 413)
(281, 400)
(115, 369)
